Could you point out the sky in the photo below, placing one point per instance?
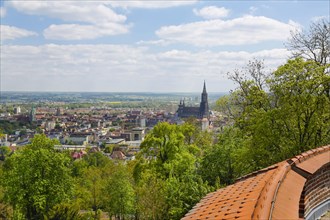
(144, 46)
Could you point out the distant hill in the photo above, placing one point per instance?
(94, 97)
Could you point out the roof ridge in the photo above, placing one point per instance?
(294, 160)
(307, 154)
(262, 191)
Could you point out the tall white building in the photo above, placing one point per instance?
(17, 110)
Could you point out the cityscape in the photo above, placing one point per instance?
(100, 119)
(164, 110)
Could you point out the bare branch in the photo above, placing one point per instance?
(313, 44)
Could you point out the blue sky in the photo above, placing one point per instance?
(143, 46)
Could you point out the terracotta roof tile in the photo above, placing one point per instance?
(273, 192)
(314, 163)
(236, 201)
(287, 200)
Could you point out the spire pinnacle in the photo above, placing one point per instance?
(204, 88)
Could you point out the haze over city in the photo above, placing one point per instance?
(143, 46)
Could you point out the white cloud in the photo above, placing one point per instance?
(212, 12)
(80, 32)
(319, 18)
(2, 12)
(253, 9)
(82, 11)
(154, 42)
(98, 19)
(150, 4)
(238, 31)
(122, 68)
(11, 32)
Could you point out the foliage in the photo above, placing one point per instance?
(164, 141)
(151, 196)
(219, 162)
(121, 196)
(9, 127)
(284, 115)
(36, 178)
(4, 152)
(182, 193)
(108, 148)
(194, 136)
(96, 159)
(5, 209)
(64, 211)
(89, 190)
(301, 104)
(172, 168)
(78, 167)
(90, 180)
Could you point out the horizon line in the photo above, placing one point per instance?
(155, 92)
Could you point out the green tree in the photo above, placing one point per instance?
(39, 130)
(220, 161)
(64, 211)
(4, 152)
(37, 178)
(97, 159)
(22, 132)
(301, 105)
(151, 196)
(108, 148)
(78, 167)
(174, 162)
(182, 193)
(120, 192)
(164, 141)
(193, 135)
(91, 189)
(229, 105)
(282, 114)
(5, 208)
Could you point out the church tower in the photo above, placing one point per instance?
(204, 105)
(32, 114)
(200, 112)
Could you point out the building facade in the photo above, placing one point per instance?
(199, 112)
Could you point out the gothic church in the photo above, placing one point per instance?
(199, 112)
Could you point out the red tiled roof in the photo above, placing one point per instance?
(118, 155)
(271, 193)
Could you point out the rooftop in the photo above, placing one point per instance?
(271, 193)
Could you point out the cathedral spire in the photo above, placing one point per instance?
(200, 112)
(204, 88)
(204, 106)
(204, 93)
